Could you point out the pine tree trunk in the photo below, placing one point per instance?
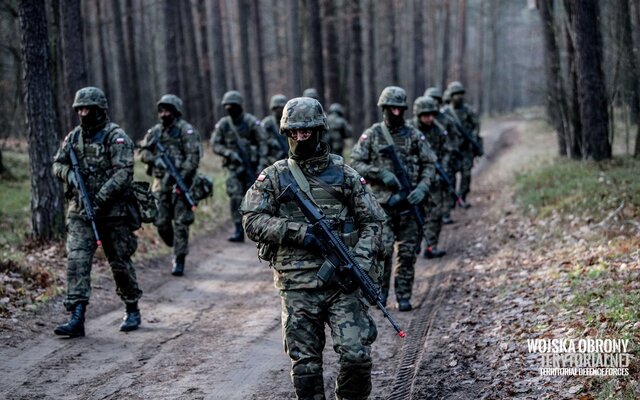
(73, 58)
(592, 93)
(445, 45)
(357, 92)
(295, 49)
(218, 53)
(172, 79)
(123, 78)
(262, 80)
(47, 213)
(332, 61)
(136, 131)
(102, 39)
(461, 42)
(245, 61)
(372, 109)
(205, 70)
(394, 61)
(418, 54)
(631, 84)
(574, 126)
(316, 47)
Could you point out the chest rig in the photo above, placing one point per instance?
(94, 156)
(172, 141)
(405, 147)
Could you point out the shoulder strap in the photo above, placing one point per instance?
(386, 134)
(300, 179)
(439, 125)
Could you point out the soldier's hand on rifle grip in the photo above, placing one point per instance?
(72, 180)
(159, 163)
(416, 196)
(312, 244)
(389, 179)
(235, 158)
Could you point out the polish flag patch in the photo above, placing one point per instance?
(190, 132)
(119, 140)
(261, 177)
(363, 181)
(363, 136)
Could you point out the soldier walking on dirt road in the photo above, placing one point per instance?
(296, 254)
(96, 158)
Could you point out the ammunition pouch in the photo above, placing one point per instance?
(202, 187)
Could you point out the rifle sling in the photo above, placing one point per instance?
(303, 183)
(386, 134)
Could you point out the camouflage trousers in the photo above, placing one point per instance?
(119, 244)
(400, 228)
(435, 209)
(304, 315)
(236, 189)
(174, 217)
(465, 173)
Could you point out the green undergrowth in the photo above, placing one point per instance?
(15, 198)
(587, 189)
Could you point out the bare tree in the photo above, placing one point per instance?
(171, 21)
(262, 80)
(123, 77)
(245, 61)
(47, 214)
(574, 126)
(461, 42)
(593, 97)
(102, 47)
(316, 46)
(393, 43)
(332, 61)
(418, 54)
(205, 68)
(445, 44)
(73, 57)
(295, 49)
(218, 53)
(372, 110)
(135, 105)
(357, 91)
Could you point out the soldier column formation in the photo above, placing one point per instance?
(183, 147)
(104, 155)
(418, 159)
(278, 148)
(296, 255)
(339, 129)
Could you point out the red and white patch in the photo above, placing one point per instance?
(363, 181)
(363, 137)
(119, 140)
(422, 137)
(190, 132)
(261, 177)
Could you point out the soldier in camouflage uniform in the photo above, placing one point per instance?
(339, 129)
(425, 110)
(468, 119)
(105, 156)
(240, 139)
(296, 255)
(278, 146)
(401, 226)
(454, 139)
(183, 145)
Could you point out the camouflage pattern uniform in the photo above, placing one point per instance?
(418, 158)
(105, 156)
(311, 92)
(224, 142)
(307, 302)
(438, 139)
(183, 145)
(470, 122)
(339, 129)
(278, 148)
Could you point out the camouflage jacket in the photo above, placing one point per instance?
(224, 141)
(106, 164)
(183, 145)
(438, 139)
(277, 144)
(339, 129)
(468, 119)
(412, 148)
(279, 228)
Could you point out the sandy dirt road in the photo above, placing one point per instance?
(215, 333)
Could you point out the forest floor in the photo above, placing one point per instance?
(514, 271)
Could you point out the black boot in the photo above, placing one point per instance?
(404, 305)
(446, 219)
(75, 326)
(464, 204)
(178, 265)
(433, 252)
(238, 236)
(132, 319)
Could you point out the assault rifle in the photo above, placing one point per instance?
(350, 273)
(447, 179)
(477, 149)
(247, 165)
(405, 185)
(181, 186)
(84, 194)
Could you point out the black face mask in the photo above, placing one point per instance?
(393, 120)
(304, 149)
(234, 110)
(94, 118)
(167, 120)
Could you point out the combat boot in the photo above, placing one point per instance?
(75, 326)
(238, 236)
(464, 204)
(446, 219)
(404, 305)
(132, 319)
(433, 252)
(178, 265)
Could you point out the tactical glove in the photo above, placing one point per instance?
(389, 179)
(416, 196)
(159, 163)
(72, 180)
(312, 244)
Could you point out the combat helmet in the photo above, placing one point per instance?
(277, 100)
(393, 96)
(90, 96)
(455, 87)
(303, 113)
(446, 96)
(434, 92)
(232, 97)
(336, 108)
(311, 92)
(171, 100)
(424, 104)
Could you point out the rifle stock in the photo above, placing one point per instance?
(447, 179)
